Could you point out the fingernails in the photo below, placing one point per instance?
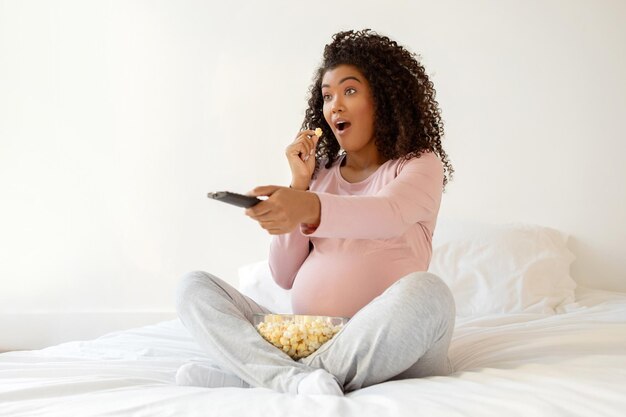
(312, 152)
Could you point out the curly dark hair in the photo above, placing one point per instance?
(407, 116)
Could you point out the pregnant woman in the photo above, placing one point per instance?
(351, 236)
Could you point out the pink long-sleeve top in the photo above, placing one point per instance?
(371, 234)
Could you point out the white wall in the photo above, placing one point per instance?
(116, 119)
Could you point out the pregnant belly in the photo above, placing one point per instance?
(340, 284)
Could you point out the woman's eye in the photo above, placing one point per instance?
(326, 97)
(350, 91)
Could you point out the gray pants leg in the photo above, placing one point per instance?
(403, 333)
(220, 319)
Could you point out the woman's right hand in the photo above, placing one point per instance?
(301, 157)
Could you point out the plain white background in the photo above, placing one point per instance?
(117, 117)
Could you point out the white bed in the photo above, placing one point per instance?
(562, 356)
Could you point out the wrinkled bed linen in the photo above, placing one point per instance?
(568, 364)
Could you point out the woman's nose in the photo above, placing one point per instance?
(337, 105)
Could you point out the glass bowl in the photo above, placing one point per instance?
(295, 334)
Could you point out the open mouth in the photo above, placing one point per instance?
(341, 126)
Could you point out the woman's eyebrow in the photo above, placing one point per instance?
(349, 77)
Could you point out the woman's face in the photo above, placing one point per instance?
(349, 107)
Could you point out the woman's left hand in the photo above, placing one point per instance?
(284, 209)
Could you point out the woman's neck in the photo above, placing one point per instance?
(362, 161)
(358, 167)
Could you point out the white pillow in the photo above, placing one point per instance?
(503, 268)
(255, 281)
(489, 268)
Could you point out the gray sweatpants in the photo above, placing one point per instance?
(403, 333)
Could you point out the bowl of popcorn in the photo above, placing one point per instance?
(295, 334)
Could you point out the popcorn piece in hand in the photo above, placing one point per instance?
(318, 132)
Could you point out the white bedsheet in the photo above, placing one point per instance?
(570, 364)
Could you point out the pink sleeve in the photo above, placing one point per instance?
(287, 253)
(413, 196)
